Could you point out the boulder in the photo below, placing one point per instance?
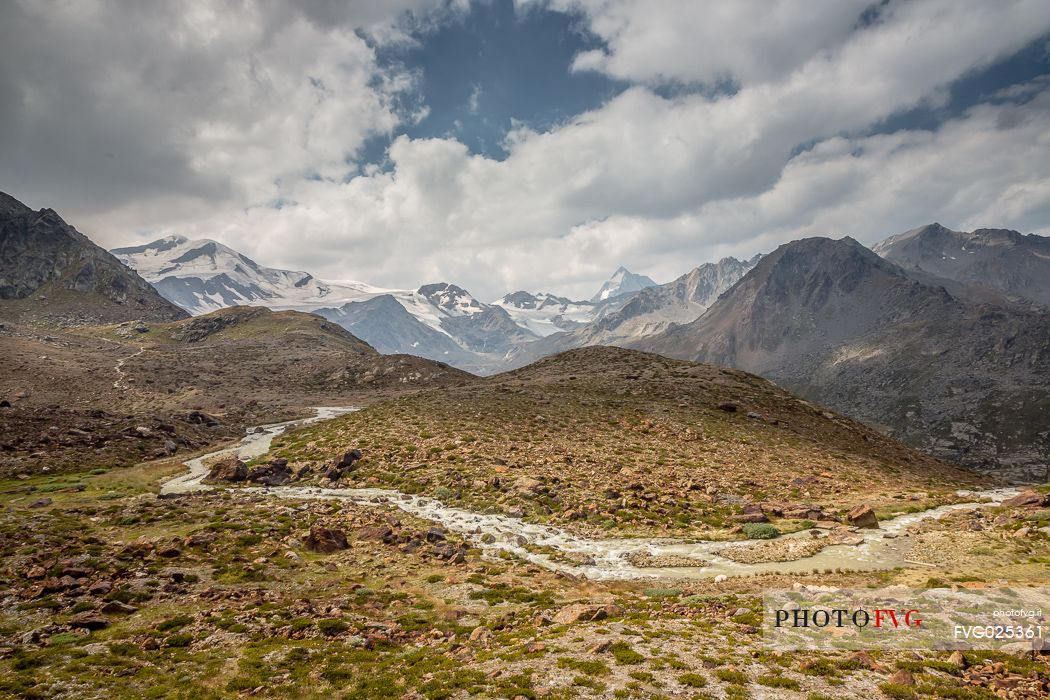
(201, 418)
(1027, 499)
(903, 677)
(230, 469)
(435, 534)
(751, 513)
(727, 406)
(88, 621)
(349, 458)
(585, 612)
(275, 473)
(380, 533)
(863, 516)
(325, 540)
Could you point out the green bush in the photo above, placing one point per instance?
(693, 680)
(332, 628)
(760, 531)
(624, 654)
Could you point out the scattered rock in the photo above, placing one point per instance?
(585, 612)
(643, 559)
(325, 540)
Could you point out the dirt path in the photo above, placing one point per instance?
(122, 380)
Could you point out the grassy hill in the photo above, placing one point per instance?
(607, 439)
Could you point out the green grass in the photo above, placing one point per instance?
(624, 654)
(760, 531)
(692, 680)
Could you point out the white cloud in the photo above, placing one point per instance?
(140, 113)
(747, 41)
(657, 183)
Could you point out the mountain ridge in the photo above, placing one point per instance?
(842, 326)
(1001, 261)
(42, 258)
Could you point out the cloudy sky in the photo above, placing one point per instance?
(531, 144)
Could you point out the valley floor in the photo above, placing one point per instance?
(111, 592)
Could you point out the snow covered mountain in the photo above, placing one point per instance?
(544, 314)
(438, 321)
(633, 316)
(623, 281)
(204, 275)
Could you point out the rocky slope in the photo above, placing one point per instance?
(839, 325)
(991, 260)
(48, 269)
(605, 440)
(78, 396)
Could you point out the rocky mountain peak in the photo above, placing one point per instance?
(451, 298)
(39, 252)
(1000, 261)
(622, 281)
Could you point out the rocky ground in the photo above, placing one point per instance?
(116, 593)
(75, 396)
(646, 446)
(108, 591)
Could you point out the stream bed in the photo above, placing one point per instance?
(559, 550)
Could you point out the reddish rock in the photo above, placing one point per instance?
(863, 516)
(380, 533)
(1027, 499)
(903, 677)
(100, 588)
(325, 540)
(230, 469)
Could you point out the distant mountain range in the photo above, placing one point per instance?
(1009, 263)
(439, 321)
(622, 282)
(938, 337)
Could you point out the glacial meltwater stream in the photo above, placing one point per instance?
(557, 549)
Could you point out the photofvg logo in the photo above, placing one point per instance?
(831, 618)
(794, 615)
